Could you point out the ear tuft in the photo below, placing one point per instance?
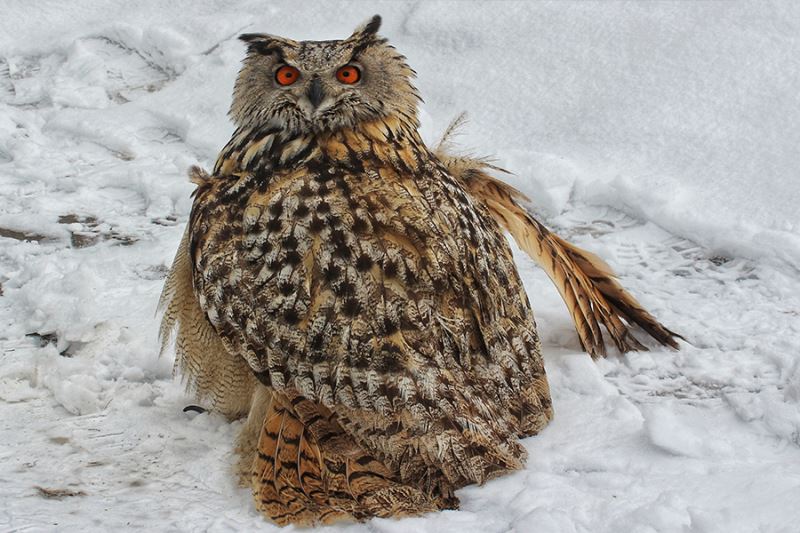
(253, 37)
(265, 44)
(366, 34)
(372, 27)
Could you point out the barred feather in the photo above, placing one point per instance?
(217, 377)
(586, 283)
(306, 477)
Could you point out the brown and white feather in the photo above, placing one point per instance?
(587, 284)
(353, 292)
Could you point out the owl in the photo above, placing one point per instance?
(351, 292)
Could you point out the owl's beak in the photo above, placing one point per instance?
(315, 93)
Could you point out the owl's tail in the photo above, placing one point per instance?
(587, 284)
(306, 470)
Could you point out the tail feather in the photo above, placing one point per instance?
(586, 283)
(308, 471)
(623, 303)
(288, 477)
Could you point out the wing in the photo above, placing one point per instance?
(586, 283)
(221, 380)
(389, 298)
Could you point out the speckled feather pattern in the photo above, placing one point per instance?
(357, 272)
(353, 293)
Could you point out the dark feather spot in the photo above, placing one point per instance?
(391, 393)
(331, 273)
(390, 358)
(338, 237)
(286, 289)
(301, 211)
(502, 277)
(342, 251)
(360, 225)
(364, 460)
(343, 186)
(389, 326)
(316, 225)
(290, 242)
(293, 257)
(291, 317)
(338, 468)
(323, 207)
(344, 288)
(226, 233)
(351, 307)
(264, 378)
(359, 360)
(364, 263)
(428, 403)
(274, 225)
(316, 341)
(389, 268)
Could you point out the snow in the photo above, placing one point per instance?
(661, 135)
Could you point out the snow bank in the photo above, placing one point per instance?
(661, 135)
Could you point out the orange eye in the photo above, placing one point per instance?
(286, 75)
(348, 74)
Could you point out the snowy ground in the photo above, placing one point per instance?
(661, 135)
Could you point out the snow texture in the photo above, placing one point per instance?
(661, 135)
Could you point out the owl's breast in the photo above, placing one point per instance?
(387, 270)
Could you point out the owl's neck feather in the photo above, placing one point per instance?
(393, 141)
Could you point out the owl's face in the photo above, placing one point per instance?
(317, 86)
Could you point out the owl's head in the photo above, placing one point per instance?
(317, 86)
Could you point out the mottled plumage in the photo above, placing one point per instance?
(365, 282)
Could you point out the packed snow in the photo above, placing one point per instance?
(661, 135)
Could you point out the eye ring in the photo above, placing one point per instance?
(286, 75)
(348, 74)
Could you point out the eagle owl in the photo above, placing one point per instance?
(351, 291)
